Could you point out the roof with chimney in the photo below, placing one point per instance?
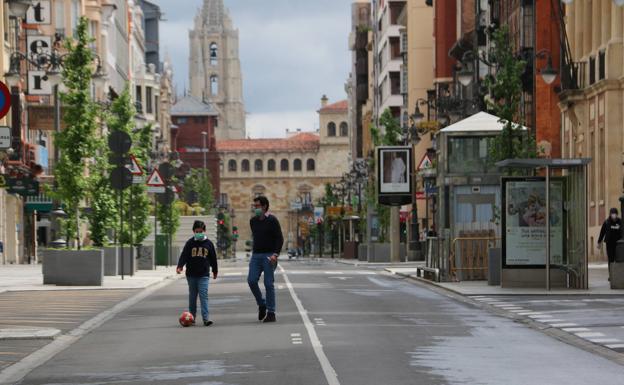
(340, 106)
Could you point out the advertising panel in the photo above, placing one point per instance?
(524, 240)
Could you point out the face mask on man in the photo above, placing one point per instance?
(258, 212)
(200, 236)
(614, 216)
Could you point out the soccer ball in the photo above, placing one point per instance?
(186, 319)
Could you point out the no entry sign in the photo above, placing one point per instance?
(5, 100)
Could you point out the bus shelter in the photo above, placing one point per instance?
(544, 224)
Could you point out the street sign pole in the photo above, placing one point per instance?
(121, 250)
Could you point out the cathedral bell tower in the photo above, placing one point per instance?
(214, 68)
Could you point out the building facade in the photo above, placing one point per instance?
(292, 172)
(591, 109)
(214, 67)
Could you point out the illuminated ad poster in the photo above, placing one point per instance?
(395, 169)
(525, 222)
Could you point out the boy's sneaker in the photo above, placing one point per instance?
(207, 322)
(270, 317)
(262, 313)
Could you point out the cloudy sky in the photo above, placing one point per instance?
(292, 52)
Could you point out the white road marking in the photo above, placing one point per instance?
(295, 335)
(589, 334)
(328, 370)
(564, 325)
(540, 316)
(235, 274)
(615, 346)
(573, 330)
(552, 320)
(604, 340)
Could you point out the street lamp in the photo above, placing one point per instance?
(18, 8)
(204, 134)
(549, 74)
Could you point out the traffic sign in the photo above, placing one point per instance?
(425, 163)
(23, 186)
(134, 166)
(166, 170)
(138, 179)
(156, 189)
(121, 178)
(119, 142)
(155, 180)
(5, 100)
(5, 137)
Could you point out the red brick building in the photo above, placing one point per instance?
(193, 136)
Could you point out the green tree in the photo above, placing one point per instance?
(168, 217)
(76, 142)
(390, 136)
(198, 188)
(505, 96)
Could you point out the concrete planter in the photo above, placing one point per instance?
(380, 252)
(494, 266)
(145, 257)
(73, 267)
(363, 252)
(616, 274)
(111, 261)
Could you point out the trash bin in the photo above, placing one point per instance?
(494, 266)
(616, 270)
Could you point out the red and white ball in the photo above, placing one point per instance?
(186, 319)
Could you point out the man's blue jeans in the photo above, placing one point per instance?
(261, 263)
(198, 285)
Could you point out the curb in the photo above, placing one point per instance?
(548, 330)
(17, 371)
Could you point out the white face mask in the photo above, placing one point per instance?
(614, 216)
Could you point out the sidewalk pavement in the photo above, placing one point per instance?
(598, 281)
(30, 277)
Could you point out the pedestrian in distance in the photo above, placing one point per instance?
(267, 245)
(199, 257)
(610, 233)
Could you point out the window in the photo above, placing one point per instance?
(181, 120)
(331, 129)
(258, 165)
(601, 65)
(232, 165)
(59, 14)
(310, 165)
(271, 165)
(75, 14)
(344, 129)
(468, 155)
(245, 165)
(156, 107)
(213, 54)
(297, 165)
(284, 165)
(592, 70)
(149, 108)
(214, 85)
(138, 97)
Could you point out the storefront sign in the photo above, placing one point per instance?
(42, 118)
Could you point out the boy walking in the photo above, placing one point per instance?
(199, 256)
(267, 245)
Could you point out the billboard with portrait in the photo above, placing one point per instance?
(394, 174)
(524, 222)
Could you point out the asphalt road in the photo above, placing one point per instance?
(336, 325)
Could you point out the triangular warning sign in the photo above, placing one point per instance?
(425, 163)
(134, 167)
(155, 180)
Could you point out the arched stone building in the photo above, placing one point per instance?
(291, 172)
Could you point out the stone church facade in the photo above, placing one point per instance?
(214, 68)
(291, 172)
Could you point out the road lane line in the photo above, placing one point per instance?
(328, 370)
(564, 325)
(589, 334)
(572, 330)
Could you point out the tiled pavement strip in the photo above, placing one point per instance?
(33, 314)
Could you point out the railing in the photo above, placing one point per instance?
(473, 254)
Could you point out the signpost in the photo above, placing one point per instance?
(5, 137)
(5, 100)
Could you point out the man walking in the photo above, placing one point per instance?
(199, 256)
(267, 244)
(611, 232)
